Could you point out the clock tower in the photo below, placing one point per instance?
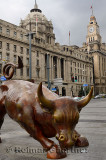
(96, 48)
(93, 38)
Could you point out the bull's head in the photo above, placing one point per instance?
(65, 112)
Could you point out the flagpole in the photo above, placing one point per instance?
(92, 9)
(69, 38)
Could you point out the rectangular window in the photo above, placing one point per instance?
(15, 58)
(8, 31)
(7, 56)
(15, 33)
(0, 29)
(0, 55)
(37, 54)
(27, 72)
(8, 46)
(15, 48)
(37, 73)
(0, 68)
(21, 50)
(37, 62)
(21, 35)
(27, 61)
(0, 44)
(21, 72)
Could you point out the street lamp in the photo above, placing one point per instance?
(48, 68)
(30, 34)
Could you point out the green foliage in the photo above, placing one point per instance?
(82, 92)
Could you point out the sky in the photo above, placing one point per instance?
(66, 15)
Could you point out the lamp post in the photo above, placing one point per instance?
(48, 68)
(30, 55)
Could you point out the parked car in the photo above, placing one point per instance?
(97, 96)
(100, 96)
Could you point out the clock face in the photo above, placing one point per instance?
(91, 29)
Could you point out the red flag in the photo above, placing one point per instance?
(69, 33)
(91, 7)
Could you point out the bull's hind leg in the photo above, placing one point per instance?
(2, 114)
(81, 141)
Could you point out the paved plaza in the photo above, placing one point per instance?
(18, 145)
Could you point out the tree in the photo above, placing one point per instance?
(81, 92)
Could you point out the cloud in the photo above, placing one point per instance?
(66, 15)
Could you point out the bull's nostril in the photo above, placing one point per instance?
(75, 137)
(62, 138)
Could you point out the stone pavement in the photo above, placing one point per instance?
(18, 145)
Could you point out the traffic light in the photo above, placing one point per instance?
(72, 79)
(75, 78)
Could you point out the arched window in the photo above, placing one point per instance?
(89, 39)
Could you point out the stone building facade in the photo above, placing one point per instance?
(97, 49)
(72, 65)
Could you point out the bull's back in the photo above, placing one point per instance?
(21, 105)
(21, 98)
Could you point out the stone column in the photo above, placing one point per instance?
(58, 68)
(42, 66)
(68, 71)
(52, 67)
(64, 70)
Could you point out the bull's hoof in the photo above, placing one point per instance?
(0, 140)
(56, 153)
(82, 142)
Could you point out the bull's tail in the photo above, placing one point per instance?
(8, 75)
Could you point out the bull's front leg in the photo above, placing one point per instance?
(34, 129)
(81, 141)
(53, 150)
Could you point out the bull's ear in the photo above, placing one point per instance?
(46, 103)
(82, 103)
(4, 88)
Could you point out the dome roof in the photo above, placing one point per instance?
(36, 13)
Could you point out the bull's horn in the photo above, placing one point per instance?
(12, 66)
(6, 69)
(46, 103)
(85, 101)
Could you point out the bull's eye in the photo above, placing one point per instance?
(61, 138)
(57, 120)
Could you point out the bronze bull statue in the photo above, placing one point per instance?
(42, 113)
